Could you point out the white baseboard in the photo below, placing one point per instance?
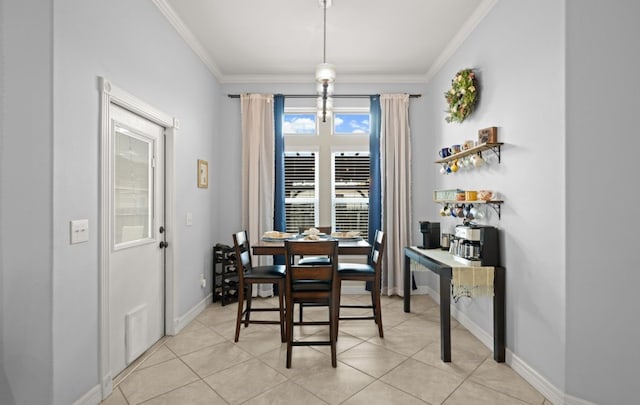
(550, 391)
(571, 400)
(93, 397)
(546, 388)
(185, 319)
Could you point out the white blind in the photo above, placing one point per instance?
(351, 191)
(300, 187)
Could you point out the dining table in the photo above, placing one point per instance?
(354, 246)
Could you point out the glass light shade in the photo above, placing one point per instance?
(326, 71)
(320, 89)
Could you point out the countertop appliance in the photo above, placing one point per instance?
(430, 235)
(475, 245)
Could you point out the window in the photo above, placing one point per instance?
(301, 194)
(351, 123)
(351, 191)
(327, 173)
(299, 123)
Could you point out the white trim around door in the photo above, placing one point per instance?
(110, 94)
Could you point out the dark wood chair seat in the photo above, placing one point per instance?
(356, 268)
(267, 272)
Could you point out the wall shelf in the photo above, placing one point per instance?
(494, 147)
(495, 204)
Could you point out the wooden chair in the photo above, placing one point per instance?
(366, 272)
(314, 284)
(249, 275)
(313, 259)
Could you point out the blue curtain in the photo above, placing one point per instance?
(279, 214)
(375, 188)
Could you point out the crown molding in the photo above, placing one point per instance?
(472, 22)
(342, 78)
(188, 36)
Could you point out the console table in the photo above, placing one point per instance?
(441, 263)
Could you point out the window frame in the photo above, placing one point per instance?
(325, 143)
(347, 200)
(316, 198)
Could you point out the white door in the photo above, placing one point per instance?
(136, 258)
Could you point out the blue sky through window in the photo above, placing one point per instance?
(351, 123)
(344, 123)
(299, 124)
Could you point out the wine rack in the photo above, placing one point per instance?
(225, 274)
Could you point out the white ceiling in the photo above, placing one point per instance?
(390, 41)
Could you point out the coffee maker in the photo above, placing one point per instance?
(475, 245)
(430, 235)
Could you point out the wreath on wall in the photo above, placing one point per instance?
(462, 96)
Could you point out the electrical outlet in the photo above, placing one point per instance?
(203, 281)
(79, 230)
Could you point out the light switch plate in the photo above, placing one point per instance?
(79, 230)
(189, 219)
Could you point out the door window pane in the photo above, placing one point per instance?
(132, 187)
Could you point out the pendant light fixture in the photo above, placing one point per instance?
(325, 72)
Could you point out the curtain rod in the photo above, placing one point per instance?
(332, 96)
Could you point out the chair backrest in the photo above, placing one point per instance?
(243, 252)
(318, 273)
(377, 249)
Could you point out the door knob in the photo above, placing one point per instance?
(163, 244)
(161, 229)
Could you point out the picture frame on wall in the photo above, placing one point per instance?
(203, 173)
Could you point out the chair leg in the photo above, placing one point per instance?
(333, 329)
(301, 305)
(338, 296)
(289, 323)
(239, 317)
(378, 311)
(247, 314)
(283, 335)
(373, 304)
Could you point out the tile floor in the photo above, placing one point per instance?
(202, 364)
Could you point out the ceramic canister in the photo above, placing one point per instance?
(471, 195)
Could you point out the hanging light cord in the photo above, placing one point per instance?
(324, 50)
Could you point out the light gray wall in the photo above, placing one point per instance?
(131, 44)
(26, 161)
(50, 175)
(517, 51)
(602, 143)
